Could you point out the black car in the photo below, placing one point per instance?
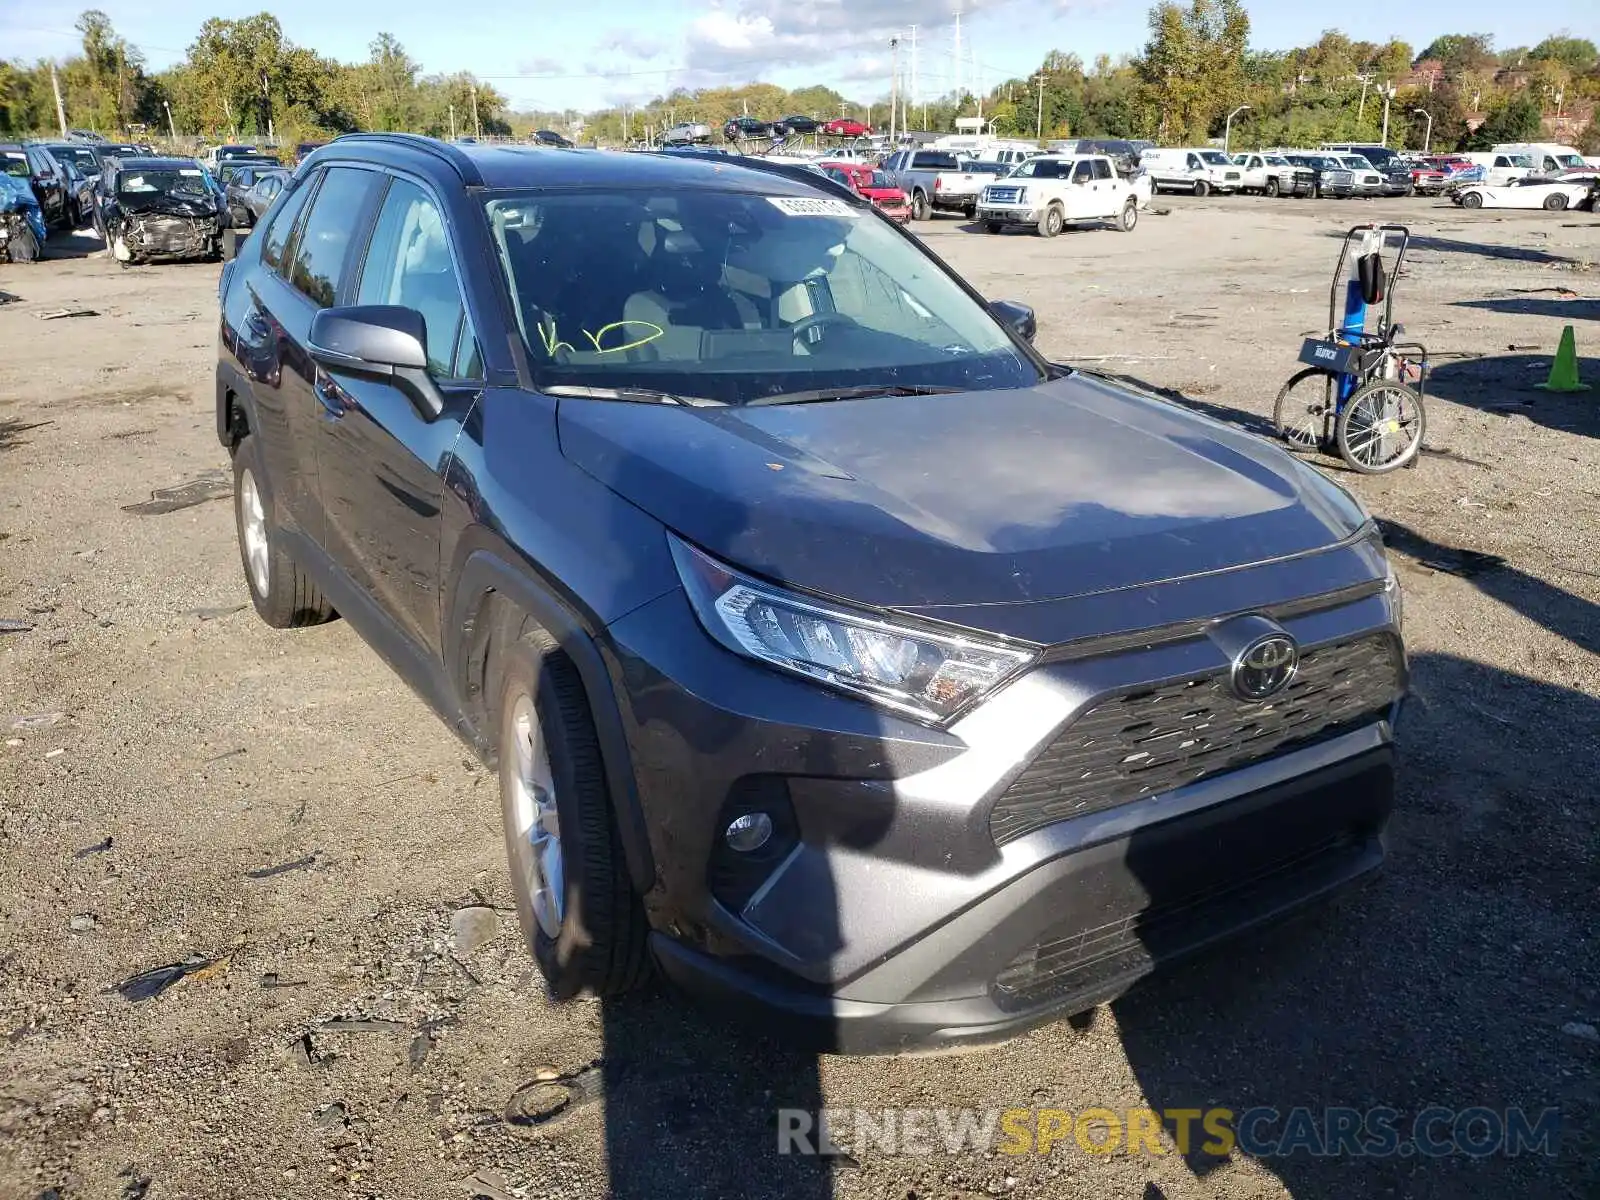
(549, 137)
(162, 209)
(827, 649)
(798, 123)
(303, 149)
(740, 128)
(52, 186)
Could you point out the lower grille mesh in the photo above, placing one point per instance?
(1142, 743)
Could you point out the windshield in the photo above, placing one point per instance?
(164, 180)
(1566, 160)
(1355, 162)
(16, 163)
(1275, 160)
(1216, 158)
(731, 297)
(83, 159)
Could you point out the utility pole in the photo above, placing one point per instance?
(916, 86)
(452, 121)
(477, 126)
(1388, 95)
(958, 62)
(1038, 128)
(1362, 110)
(894, 84)
(61, 109)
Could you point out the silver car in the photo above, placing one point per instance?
(686, 134)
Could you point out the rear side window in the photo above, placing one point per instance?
(323, 248)
(272, 252)
(1102, 169)
(409, 264)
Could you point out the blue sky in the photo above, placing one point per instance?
(559, 56)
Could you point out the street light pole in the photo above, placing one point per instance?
(171, 128)
(1388, 95)
(1227, 129)
(1427, 137)
(1038, 128)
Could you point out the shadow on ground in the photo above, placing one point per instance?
(1444, 982)
(1508, 384)
(1439, 245)
(61, 246)
(1539, 306)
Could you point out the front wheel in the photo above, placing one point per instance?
(1053, 222)
(575, 903)
(1304, 409)
(1555, 202)
(1472, 200)
(1129, 217)
(283, 594)
(1201, 187)
(1380, 427)
(1272, 187)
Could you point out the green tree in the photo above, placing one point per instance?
(1576, 54)
(1517, 120)
(1193, 66)
(1462, 51)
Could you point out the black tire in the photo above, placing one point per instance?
(1472, 200)
(1201, 187)
(992, 226)
(1301, 414)
(919, 206)
(599, 947)
(290, 600)
(1316, 191)
(1354, 435)
(1129, 218)
(1555, 202)
(1271, 189)
(1053, 221)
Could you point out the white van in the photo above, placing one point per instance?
(1501, 168)
(1545, 158)
(1191, 169)
(1010, 153)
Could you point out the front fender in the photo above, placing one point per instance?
(486, 567)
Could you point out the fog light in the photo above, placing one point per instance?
(748, 832)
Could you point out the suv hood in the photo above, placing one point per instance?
(1071, 487)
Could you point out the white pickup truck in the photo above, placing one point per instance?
(1056, 190)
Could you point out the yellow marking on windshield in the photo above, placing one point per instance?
(594, 338)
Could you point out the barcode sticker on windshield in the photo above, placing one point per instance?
(807, 206)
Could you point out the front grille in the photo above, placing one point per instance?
(1001, 195)
(1232, 176)
(1144, 742)
(1084, 961)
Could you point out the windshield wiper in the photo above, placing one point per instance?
(632, 394)
(853, 393)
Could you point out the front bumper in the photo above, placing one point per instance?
(892, 902)
(1086, 926)
(1014, 215)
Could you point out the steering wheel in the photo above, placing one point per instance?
(802, 328)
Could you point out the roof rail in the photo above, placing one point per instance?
(459, 161)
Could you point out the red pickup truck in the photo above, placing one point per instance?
(874, 185)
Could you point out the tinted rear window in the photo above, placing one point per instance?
(933, 160)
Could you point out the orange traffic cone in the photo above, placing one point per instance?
(1564, 371)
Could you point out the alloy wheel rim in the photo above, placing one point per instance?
(537, 824)
(253, 529)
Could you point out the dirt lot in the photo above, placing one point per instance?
(279, 802)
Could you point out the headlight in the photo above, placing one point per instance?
(926, 674)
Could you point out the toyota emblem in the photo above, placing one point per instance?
(1265, 666)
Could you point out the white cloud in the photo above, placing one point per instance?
(778, 33)
(633, 45)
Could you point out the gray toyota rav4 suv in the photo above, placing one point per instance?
(837, 653)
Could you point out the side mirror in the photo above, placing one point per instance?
(1017, 317)
(383, 341)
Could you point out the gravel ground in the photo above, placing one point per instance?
(278, 805)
